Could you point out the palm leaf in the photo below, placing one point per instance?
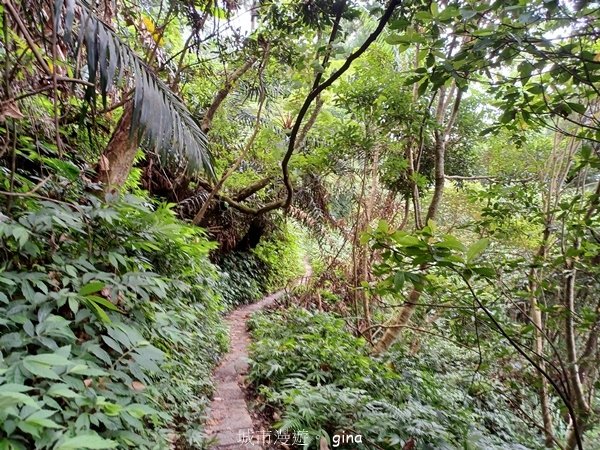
(159, 116)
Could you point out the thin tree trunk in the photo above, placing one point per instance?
(117, 159)
(365, 253)
(575, 384)
(397, 323)
(536, 318)
(222, 94)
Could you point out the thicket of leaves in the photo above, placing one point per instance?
(315, 375)
(248, 276)
(109, 319)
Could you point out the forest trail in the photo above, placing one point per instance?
(230, 423)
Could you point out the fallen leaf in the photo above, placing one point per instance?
(10, 109)
(138, 386)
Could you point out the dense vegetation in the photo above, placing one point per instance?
(164, 162)
(321, 379)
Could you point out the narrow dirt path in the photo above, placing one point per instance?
(229, 421)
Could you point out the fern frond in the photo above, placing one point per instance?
(159, 116)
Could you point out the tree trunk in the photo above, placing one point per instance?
(222, 94)
(365, 272)
(538, 326)
(117, 160)
(397, 323)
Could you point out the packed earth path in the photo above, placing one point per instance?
(229, 424)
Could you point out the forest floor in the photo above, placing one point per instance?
(230, 424)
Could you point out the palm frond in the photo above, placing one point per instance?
(253, 89)
(159, 116)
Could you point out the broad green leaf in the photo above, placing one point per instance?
(41, 365)
(8, 399)
(399, 279)
(486, 272)
(91, 288)
(12, 387)
(450, 242)
(83, 369)
(467, 13)
(408, 241)
(21, 234)
(383, 226)
(99, 312)
(138, 410)
(40, 419)
(447, 13)
(112, 409)
(49, 359)
(62, 390)
(104, 302)
(91, 441)
(577, 107)
(423, 15)
(476, 249)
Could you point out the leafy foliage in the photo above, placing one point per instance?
(248, 276)
(158, 115)
(101, 345)
(321, 377)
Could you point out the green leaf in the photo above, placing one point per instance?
(467, 13)
(399, 279)
(476, 249)
(317, 66)
(99, 312)
(112, 344)
(12, 387)
(90, 288)
(450, 242)
(410, 37)
(21, 234)
(87, 441)
(138, 410)
(486, 272)
(423, 15)
(41, 365)
(104, 302)
(577, 107)
(448, 13)
(40, 419)
(364, 238)
(62, 390)
(382, 226)
(8, 399)
(408, 241)
(83, 369)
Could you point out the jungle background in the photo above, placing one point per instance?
(437, 163)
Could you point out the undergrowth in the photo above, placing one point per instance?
(248, 276)
(110, 325)
(313, 376)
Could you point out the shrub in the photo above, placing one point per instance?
(282, 255)
(320, 379)
(248, 276)
(243, 278)
(109, 323)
